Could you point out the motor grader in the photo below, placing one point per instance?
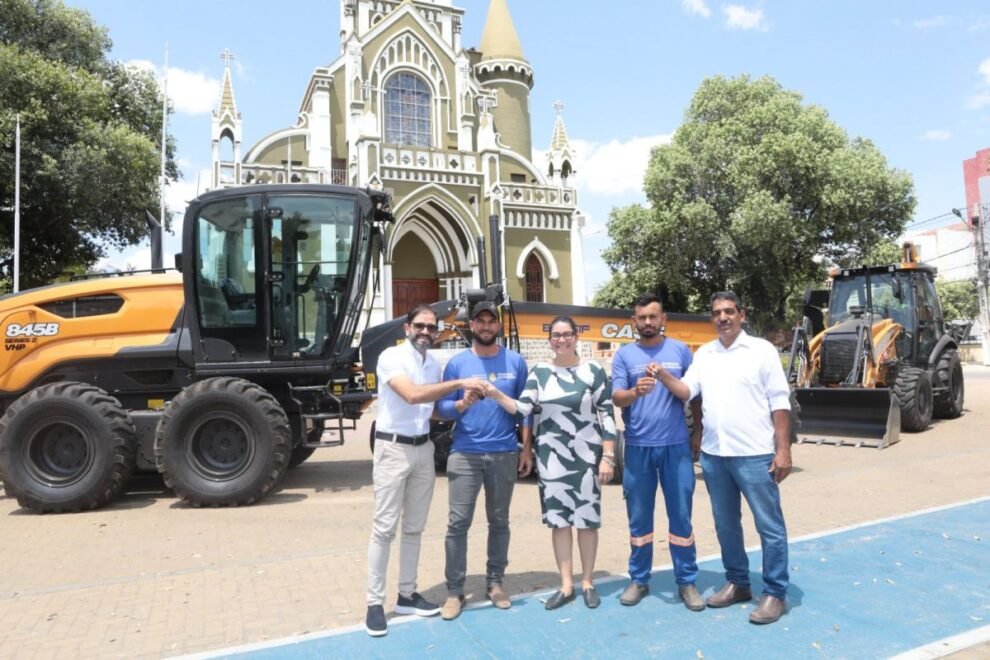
(875, 356)
(220, 377)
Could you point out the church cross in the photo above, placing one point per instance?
(558, 106)
(226, 56)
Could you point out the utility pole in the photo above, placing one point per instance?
(17, 207)
(982, 279)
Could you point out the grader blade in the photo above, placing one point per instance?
(848, 416)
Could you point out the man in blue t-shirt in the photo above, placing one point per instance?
(657, 450)
(484, 453)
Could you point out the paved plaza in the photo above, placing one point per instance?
(151, 577)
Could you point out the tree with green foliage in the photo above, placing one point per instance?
(90, 141)
(757, 192)
(960, 300)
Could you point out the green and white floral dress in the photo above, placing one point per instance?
(576, 416)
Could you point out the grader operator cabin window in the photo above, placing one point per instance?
(408, 114)
(311, 245)
(226, 277)
(275, 283)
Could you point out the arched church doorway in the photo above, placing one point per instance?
(414, 275)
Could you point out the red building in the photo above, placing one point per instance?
(976, 173)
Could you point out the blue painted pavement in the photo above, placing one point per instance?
(871, 591)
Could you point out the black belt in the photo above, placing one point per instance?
(402, 439)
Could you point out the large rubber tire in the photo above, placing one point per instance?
(300, 452)
(620, 457)
(222, 442)
(442, 435)
(949, 374)
(913, 389)
(66, 447)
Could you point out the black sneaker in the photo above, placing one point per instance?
(417, 605)
(374, 621)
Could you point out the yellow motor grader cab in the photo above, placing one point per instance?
(875, 356)
(220, 378)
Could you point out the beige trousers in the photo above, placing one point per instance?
(403, 476)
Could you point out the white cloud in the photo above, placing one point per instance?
(980, 24)
(180, 192)
(937, 134)
(931, 22)
(191, 92)
(696, 7)
(981, 98)
(738, 17)
(134, 259)
(615, 167)
(978, 101)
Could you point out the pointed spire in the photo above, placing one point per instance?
(499, 39)
(558, 141)
(228, 106)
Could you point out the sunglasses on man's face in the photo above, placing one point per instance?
(429, 327)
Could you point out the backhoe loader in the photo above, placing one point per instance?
(874, 356)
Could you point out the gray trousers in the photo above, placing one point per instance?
(466, 475)
(404, 476)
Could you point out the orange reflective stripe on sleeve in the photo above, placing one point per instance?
(639, 541)
(681, 541)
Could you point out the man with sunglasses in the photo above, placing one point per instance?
(484, 454)
(403, 470)
(657, 452)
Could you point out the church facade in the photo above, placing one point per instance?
(446, 130)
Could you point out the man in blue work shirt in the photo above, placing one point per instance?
(657, 451)
(484, 453)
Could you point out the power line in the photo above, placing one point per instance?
(945, 254)
(912, 225)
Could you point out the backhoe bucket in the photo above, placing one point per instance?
(848, 416)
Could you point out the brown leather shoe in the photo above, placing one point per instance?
(634, 593)
(692, 599)
(769, 610)
(730, 594)
(452, 607)
(498, 597)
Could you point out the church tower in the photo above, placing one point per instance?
(560, 156)
(445, 130)
(226, 128)
(504, 70)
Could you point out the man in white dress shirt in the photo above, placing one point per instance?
(745, 450)
(403, 469)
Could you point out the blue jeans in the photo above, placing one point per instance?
(727, 477)
(673, 468)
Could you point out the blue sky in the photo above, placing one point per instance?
(912, 76)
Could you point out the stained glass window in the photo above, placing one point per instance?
(407, 111)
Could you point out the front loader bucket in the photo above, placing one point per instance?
(848, 416)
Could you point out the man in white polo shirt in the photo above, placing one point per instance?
(403, 471)
(745, 450)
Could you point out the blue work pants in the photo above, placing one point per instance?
(672, 467)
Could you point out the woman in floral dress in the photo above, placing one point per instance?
(575, 452)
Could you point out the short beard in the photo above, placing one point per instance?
(486, 342)
(414, 340)
(654, 332)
